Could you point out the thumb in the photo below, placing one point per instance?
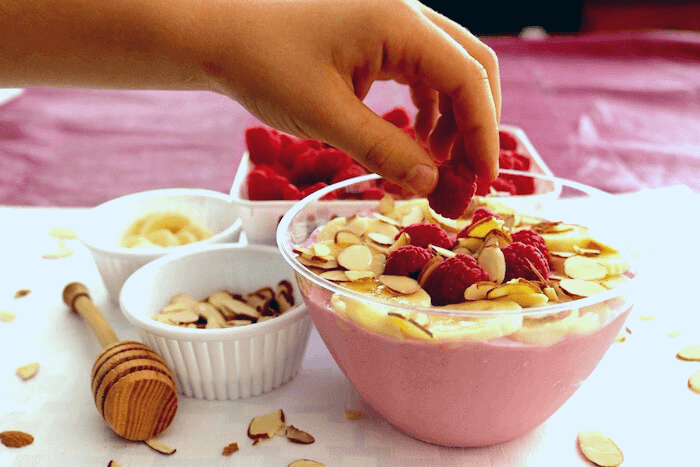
(381, 147)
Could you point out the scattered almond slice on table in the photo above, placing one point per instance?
(7, 316)
(600, 450)
(28, 371)
(62, 252)
(22, 293)
(63, 233)
(353, 415)
(306, 463)
(16, 439)
(690, 354)
(114, 463)
(694, 382)
(160, 447)
(674, 334)
(230, 449)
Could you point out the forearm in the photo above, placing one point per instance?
(129, 44)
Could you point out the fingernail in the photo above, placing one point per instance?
(422, 178)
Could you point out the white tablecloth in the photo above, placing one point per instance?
(638, 395)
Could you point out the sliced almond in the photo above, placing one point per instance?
(388, 220)
(335, 275)
(479, 290)
(690, 354)
(353, 415)
(647, 318)
(62, 252)
(562, 254)
(113, 463)
(380, 238)
(482, 227)
(359, 275)
(694, 382)
(600, 450)
(160, 447)
(316, 263)
(414, 216)
(357, 225)
(28, 371)
(305, 463)
(428, 269)
(551, 294)
(345, 237)
(586, 251)
(400, 284)
(173, 307)
(63, 233)
(674, 334)
(22, 293)
(491, 259)
(183, 317)
(470, 243)
(587, 269)
(298, 436)
(229, 449)
(7, 316)
(16, 439)
(321, 250)
(497, 237)
(356, 258)
(444, 252)
(581, 288)
(621, 338)
(403, 240)
(386, 204)
(266, 426)
(411, 328)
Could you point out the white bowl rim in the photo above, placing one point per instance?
(285, 222)
(174, 332)
(89, 242)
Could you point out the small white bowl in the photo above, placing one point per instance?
(219, 364)
(104, 226)
(260, 218)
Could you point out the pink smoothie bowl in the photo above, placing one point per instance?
(467, 392)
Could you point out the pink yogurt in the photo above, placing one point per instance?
(469, 395)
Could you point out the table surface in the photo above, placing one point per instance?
(638, 394)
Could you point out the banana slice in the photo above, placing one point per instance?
(566, 238)
(476, 329)
(615, 263)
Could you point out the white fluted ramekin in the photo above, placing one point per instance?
(103, 227)
(219, 364)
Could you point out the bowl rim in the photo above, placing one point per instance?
(159, 329)
(89, 240)
(301, 270)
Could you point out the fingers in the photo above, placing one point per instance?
(378, 145)
(434, 58)
(477, 49)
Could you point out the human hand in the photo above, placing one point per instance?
(304, 67)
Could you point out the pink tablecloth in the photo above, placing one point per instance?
(618, 112)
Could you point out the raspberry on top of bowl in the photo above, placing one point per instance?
(491, 259)
(289, 168)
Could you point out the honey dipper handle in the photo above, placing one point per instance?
(76, 296)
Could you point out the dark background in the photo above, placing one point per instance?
(507, 17)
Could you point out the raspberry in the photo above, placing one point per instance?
(398, 116)
(265, 184)
(507, 140)
(517, 255)
(315, 187)
(329, 162)
(424, 234)
(482, 186)
(302, 171)
(372, 193)
(351, 171)
(481, 213)
(521, 184)
(291, 149)
(407, 261)
(451, 278)
(454, 191)
(264, 145)
(503, 185)
(514, 160)
(530, 237)
(291, 193)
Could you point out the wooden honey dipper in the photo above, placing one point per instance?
(133, 388)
